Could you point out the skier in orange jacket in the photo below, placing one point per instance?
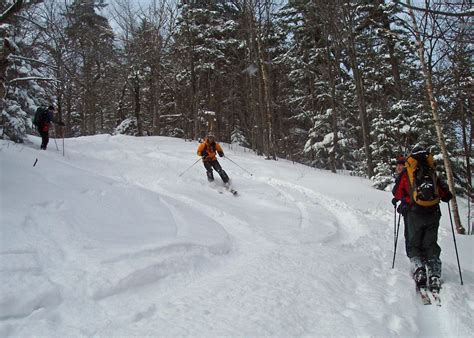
(207, 150)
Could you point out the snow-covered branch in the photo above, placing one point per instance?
(17, 57)
(33, 78)
(15, 7)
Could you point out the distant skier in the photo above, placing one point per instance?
(207, 150)
(422, 190)
(42, 121)
(402, 208)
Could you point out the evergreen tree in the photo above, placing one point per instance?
(90, 39)
(24, 77)
(207, 46)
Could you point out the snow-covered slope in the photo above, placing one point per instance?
(110, 241)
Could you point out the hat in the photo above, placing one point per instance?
(418, 149)
(401, 160)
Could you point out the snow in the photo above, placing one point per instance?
(109, 241)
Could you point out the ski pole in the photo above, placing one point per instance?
(62, 134)
(239, 166)
(396, 240)
(394, 224)
(189, 167)
(455, 245)
(57, 148)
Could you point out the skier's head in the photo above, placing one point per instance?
(51, 108)
(211, 137)
(400, 164)
(401, 160)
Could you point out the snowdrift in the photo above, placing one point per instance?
(110, 241)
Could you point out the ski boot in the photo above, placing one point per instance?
(420, 277)
(210, 176)
(434, 283)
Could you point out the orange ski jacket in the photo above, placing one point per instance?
(210, 150)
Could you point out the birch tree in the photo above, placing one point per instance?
(427, 70)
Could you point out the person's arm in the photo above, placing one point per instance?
(219, 150)
(201, 150)
(52, 118)
(444, 193)
(400, 191)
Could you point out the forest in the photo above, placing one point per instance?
(342, 85)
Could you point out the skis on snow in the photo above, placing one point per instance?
(227, 187)
(437, 299)
(428, 296)
(230, 189)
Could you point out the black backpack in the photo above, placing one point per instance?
(423, 180)
(40, 116)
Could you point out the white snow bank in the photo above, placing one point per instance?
(110, 241)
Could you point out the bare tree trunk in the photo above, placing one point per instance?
(257, 128)
(393, 58)
(466, 125)
(427, 74)
(267, 106)
(136, 94)
(335, 130)
(156, 99)
(120, 111)
(194, 100)
(360, 95)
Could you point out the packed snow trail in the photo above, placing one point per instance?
(109, 241)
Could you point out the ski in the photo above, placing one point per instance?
(233, 191)
(423, 292)
(436, 297)
(230, 189)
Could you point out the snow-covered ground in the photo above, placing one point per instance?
(110, 241)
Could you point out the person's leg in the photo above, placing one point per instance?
(432, 250)
(44, 139)
(415, 235)
(210, 175)
(222, 173)
(416, 255)
(405, 232)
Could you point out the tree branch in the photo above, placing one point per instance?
(17, 57)
(15, 7)
(468, 13)
(33, 78)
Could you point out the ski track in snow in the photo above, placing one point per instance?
(285, 257)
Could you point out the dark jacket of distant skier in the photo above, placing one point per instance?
(208, 150)
(42, 121)
(421, 190)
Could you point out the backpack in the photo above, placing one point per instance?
(40, 117)
(423, 180)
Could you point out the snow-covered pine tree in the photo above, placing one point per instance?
(206, 50)
(24, 76)
(92, 54)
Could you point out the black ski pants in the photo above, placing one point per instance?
(423, 234)
(407, 238)
(209, 165)
(44, 138)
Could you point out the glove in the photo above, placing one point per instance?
(203, 153)
(447, 197)
(402, 209)
(394, 201)
(221, 154)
